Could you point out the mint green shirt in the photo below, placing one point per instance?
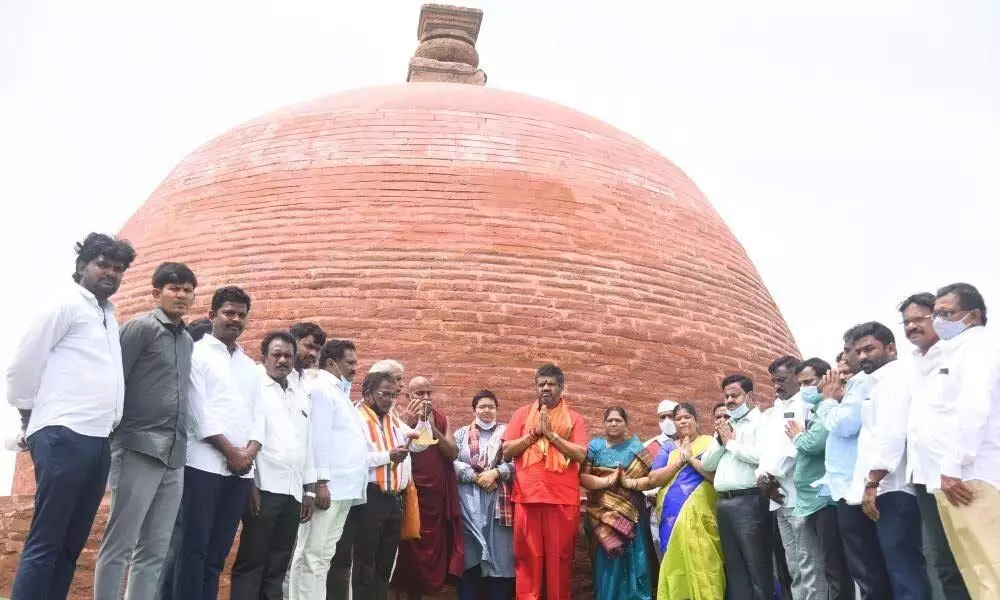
(810, 466)
(734, 464)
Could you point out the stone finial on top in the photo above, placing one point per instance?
(447, 50)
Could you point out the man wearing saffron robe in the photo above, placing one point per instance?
(424, 564)
(547, 442)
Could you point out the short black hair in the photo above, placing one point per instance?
(484, 394)
(230, 293)
(745, 382)
(819, 366)
(849, 334)
(198, 329)
(968, 296)
(840, 356)
(334, 350)
(284, 336)
(875, 329)
(688, 407)
(100, 244)
(172, 272)
(618, 409)
(373, 380)
(306, 329)
(717, 406)
(550, 370)
(924, 299)
(789, 362)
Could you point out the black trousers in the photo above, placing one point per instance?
(838, 577)
(379, 521)
(747, 543)
(338, 578)
(862, 551)
(936, 546)
(266, 547)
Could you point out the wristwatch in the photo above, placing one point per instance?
(871, 485)
(310, 494)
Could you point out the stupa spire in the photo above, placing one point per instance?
(447, 50)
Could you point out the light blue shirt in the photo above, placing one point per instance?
(844, 424)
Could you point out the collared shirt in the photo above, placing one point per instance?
(843, 421)
(378, 459)
(810, 445)
(67, 369)
(339, 443)
(735, 463)
(777, 452)
(156, 355)
(882, 441)
(285, 461)
(224, 399)
(954, 425)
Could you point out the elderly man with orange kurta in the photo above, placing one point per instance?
(547, 441)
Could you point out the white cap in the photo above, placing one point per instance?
(666, 406)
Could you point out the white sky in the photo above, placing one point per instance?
(853, 146)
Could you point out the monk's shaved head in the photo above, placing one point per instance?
(420, 389)
(419, 382)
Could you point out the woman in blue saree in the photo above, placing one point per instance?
(617, 520)
(692, 553)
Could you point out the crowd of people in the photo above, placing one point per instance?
(878, 472)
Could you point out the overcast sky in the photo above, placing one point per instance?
(852, 146)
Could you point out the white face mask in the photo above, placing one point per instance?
(484, 425)
(947, 330)
(667, 427)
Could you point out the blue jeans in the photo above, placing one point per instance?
(902, 542)
(212, 507)
(71, 473)
(862, 551)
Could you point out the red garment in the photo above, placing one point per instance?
(536, 484)
(423, 565)
(544, 544)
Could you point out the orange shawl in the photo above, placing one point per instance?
(561, 423)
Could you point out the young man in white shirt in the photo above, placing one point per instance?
(283, 494)
(226, 427)
(955, 434)
(880, 473)
(66, 379)
(340, 459)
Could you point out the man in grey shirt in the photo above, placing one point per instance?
(148, 449)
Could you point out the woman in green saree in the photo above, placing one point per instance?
(617, 520)
(692, 553)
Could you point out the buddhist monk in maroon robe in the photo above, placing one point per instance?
(423, 565)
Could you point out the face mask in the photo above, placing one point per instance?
(740, 411)
(810, 394)
(667, 427)
(487, 426)
(345, 386)
(946, 329)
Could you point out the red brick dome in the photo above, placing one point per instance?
(472, 234)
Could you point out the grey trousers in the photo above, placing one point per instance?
(803, 555)
(145, 496)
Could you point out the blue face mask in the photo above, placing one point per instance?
(946, 329)
(739, 412)
(811, 395)
(345, 386)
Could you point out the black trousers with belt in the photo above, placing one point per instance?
(378, 525)
(747, 543)
(266, 547)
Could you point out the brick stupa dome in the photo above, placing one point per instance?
(472, 234)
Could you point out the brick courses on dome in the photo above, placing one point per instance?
(472, 234)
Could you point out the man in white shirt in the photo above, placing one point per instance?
(226, 429)
(282, 496)
(775, 476)
(917, 311)
(340, 459)
(66, 379)
(955, 434)
(880, 473)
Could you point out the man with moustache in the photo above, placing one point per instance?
(547, 441)
(880, 476)
(742, 511)
(917, 312)
(309, 340)
(226, 429)
(340, 459)
(955, 433)
(424, 564)
(149, 446)
(66, 379)
(775, 477)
